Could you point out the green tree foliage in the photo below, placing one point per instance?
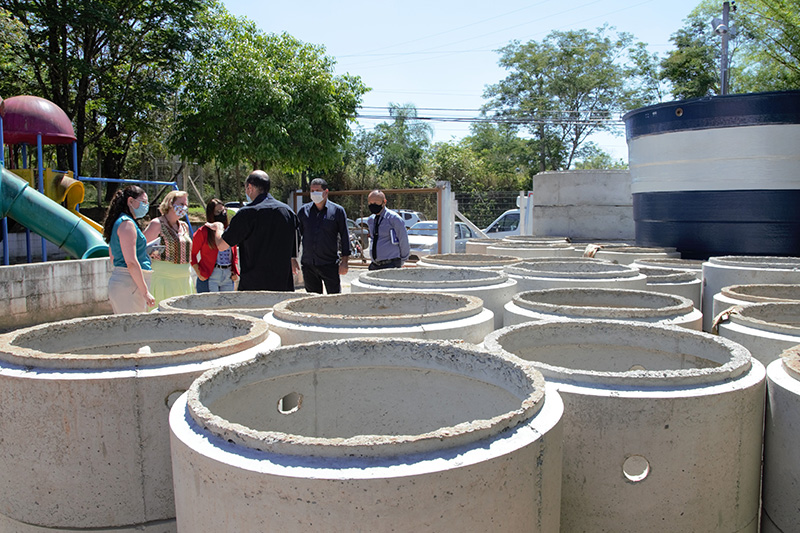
(592, 156)
(106, 63)
(775, 26)
(400, 148)
(268, 99)
(763, 53)
(565, 88)
(508, 159)
(15, 77)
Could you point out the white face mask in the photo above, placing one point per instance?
(317, 196)
(247, 197)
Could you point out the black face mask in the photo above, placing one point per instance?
(222, 217)
(375, 208)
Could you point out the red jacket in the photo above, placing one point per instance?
(208, 255)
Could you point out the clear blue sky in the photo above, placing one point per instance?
(441, 54)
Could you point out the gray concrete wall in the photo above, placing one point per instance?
(584, 204)
(43, 292)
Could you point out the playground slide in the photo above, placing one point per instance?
(49, 219)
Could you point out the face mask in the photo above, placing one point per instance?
(222, 217)
(141, 211)
(317, 196)
(180, 210)
(247, 197)
(375, 208)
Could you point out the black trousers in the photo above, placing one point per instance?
(314, 276)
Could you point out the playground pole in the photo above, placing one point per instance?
(40, 164)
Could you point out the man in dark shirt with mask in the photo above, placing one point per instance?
(266, 232)
(323, 226)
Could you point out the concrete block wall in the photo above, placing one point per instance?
(584, 204)
(18, 249)
(43, 292)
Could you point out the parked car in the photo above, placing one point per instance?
(409, 218)
(423, 238)
(233, 207)
(504, 225)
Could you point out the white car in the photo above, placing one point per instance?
(409, 218)
(504, 225)
(423, 238)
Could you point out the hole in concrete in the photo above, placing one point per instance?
(637, 367)
(636, 468)
(172, 397)
(290, 403)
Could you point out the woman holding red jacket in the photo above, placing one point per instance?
(216, 271)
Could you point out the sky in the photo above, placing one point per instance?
(441, 55)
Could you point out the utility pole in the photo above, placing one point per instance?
(723, 67)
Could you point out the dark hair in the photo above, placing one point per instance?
(119, 206)
(211, 206)
(321, 182)
(260, 180)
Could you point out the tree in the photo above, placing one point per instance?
(267, 99)
(565, 88)
(15, 77)
(106, 63)
(593, 157)
(776, 27)
(400, 148)
(763, 51)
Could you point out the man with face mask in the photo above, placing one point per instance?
(326, 241)
(389, 237)
(266, 232)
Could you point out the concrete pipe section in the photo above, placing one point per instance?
(574, 272)
(369, 435)
(669, 281)
(494, 288)
(611, 304)
(478, 246)
(468, 260)
(84, 410)
(780, 512)
(695, 266)
(528, 250)
(251, 303)
(416, 315)
(740, 295)
(625, 255)
(662, 425)
(719, 272)
(535, 239)
(765, 329)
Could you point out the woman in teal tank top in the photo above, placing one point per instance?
(129, 285)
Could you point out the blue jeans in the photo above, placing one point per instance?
(220, 280)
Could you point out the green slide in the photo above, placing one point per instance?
(49, 219)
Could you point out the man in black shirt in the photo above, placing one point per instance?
(323, 225)
(266, 232)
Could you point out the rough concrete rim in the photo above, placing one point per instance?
(473, 260)
(636, 334)
(13, 353)
(461, 306)
(674, 263)
(753, 316)
(749, 292)
(791, 361)
(765, 262)
(583, 269)
(224, 301)
(442, 355)
(425, 278)
(656, 275)
(664, 305)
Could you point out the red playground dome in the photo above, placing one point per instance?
(28, 116)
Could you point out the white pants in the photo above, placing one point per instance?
(125, 296)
